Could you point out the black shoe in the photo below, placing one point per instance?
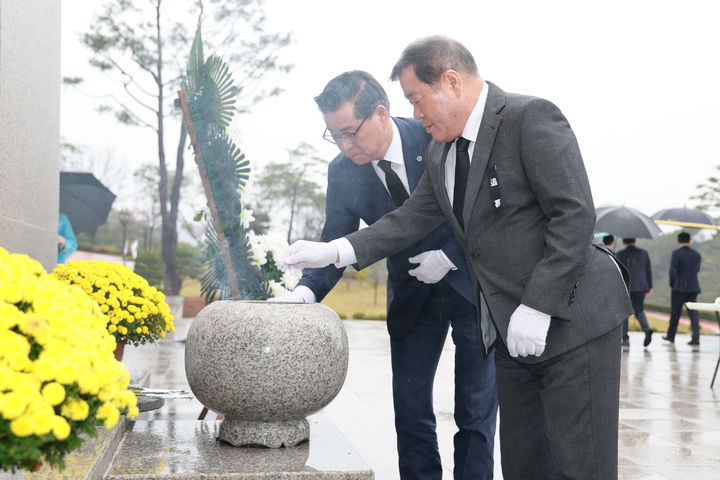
(668, 339)
(691, 342)
(648, 337)
(626, 345)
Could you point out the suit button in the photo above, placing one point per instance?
(474, 256)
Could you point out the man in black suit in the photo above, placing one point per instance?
(684, 286)
(637, 261)
(428, 290)
(609, 241)
(505, 171)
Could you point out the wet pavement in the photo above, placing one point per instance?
(669, 416)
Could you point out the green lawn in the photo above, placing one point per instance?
(351, 296)
(348, 298)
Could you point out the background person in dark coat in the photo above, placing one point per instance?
(609, 241)
(637, 261)
(429, 286)
(684, 286)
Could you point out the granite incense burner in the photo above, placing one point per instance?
(265, 366)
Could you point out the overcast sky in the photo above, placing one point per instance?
(639, 81)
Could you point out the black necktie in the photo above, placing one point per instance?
(462, 168)
(395, 186)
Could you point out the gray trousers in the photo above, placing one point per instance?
(559, 418)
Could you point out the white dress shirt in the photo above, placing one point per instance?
(470, 132)
(394, 155)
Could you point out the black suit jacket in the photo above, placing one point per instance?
(637, 261)
(684, 268)
(356, 193)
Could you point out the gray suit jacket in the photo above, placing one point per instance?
(529, 220)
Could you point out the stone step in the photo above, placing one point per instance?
(188, 449)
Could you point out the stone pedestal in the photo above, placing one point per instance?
(188, 449)
(265, 367)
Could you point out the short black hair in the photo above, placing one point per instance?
(608, 239)
(683, 237)
(355, 86)
(628, 241)
(432, 56)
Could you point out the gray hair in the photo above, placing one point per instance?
(432, 56)
(355, 86)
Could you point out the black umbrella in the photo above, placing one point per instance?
(85, 200)
(685, 217)
(625, 222)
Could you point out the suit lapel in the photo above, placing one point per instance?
(483, 147)
(413, 156)
(370, 186)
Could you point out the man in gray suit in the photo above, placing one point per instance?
(505, 170)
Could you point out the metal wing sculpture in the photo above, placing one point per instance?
(207, 99)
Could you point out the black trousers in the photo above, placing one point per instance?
(677, 300)
(559, 418)
(638, 302)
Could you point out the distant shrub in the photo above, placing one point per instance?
(342, 316)
(359, 315)
(148, 265)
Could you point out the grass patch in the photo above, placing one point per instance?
(351, 297)
(190, 287)
(661, 325)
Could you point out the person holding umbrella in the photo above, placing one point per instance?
(67, 243)
(684, 286)
(637, 261)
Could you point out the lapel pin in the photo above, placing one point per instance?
(419, 158)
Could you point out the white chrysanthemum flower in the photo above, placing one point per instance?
(277, 289)
(259, 254)
(290, 280)
(274, 243)
(246, 216)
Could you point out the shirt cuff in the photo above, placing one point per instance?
(346, 252)
(307, 295)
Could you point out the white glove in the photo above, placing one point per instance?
(304, 254)
(434, 265)
(291, 297)
(527, 332)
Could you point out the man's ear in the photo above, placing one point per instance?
(382, 112)
(454, 80)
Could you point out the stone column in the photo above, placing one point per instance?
(30, 127)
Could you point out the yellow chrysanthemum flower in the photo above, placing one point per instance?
(22, 426)
(53, 393)
(12, 405)
(75, 409)
(60, 428)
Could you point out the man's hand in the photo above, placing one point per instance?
(304, 254)
(527, 332)
(434, 265)
(291, 297)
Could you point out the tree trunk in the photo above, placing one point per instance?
(173, 282)
(171, 279)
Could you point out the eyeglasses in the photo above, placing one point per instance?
(343, 137)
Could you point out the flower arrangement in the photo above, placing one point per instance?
(265, 249)
(135, 312)
(58, 375)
